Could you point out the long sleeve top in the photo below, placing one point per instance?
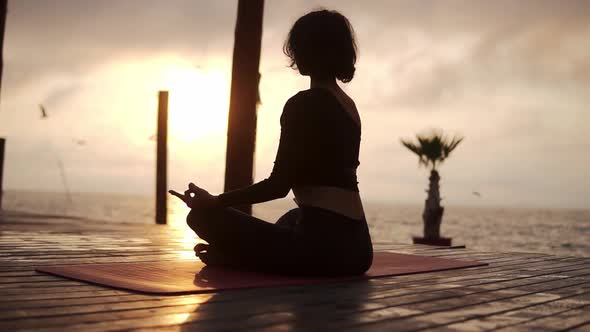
(319, 145)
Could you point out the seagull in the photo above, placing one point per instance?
(43, 112)
(476, 194)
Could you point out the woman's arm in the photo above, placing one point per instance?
(263, 191)
(289, 154)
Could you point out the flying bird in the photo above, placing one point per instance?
(79, 141)
(43, 112)
(475, 193)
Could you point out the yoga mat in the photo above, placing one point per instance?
(184, 277)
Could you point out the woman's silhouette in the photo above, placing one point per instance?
(317, 158)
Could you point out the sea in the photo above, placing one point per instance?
(564, 232)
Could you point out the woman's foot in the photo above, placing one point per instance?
(202, 252)
(211, 256)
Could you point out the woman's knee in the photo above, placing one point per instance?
(289, 219)
(204, 221)
(196, 218)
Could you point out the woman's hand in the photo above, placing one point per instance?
(196, 197)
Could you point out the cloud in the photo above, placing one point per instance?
(511, 76)
(73, 37)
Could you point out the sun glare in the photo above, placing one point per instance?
(198, 102)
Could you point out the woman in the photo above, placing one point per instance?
(327, 235)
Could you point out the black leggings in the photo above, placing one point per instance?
(306, 241)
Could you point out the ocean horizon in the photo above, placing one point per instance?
(559, 231)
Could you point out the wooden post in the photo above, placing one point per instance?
(162, 158)
(241, 129)
(2, 26)
(2, 140)
(2, 144)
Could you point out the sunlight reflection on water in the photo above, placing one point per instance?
(554, 231)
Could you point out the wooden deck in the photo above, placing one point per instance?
(516, 292)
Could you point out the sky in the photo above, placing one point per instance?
(512, 77)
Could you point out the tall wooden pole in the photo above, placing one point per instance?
(2, 140)
(241, 131)
(3, 5)
(162, 158)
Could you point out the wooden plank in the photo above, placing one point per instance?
(570, 319)
(399, 281)
(377, 285)
(102, 317)
(404, 310)
(304, 318)
(411, 317)
(17, 300)
(421, 281)
(510, 320)
(472, 310)
(515, 292)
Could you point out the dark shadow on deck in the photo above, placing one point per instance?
(310, 307)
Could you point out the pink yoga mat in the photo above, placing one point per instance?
(183, 277)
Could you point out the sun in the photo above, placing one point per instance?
(198, 102)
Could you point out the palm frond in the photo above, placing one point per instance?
(417, 149)
(411, 146)
(453, 144)
(432, 147)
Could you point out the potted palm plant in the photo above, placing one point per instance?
(432, 148)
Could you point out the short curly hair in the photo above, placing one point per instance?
(322, 43)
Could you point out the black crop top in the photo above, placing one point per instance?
(319, 145)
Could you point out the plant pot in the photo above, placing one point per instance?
(439, 241)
